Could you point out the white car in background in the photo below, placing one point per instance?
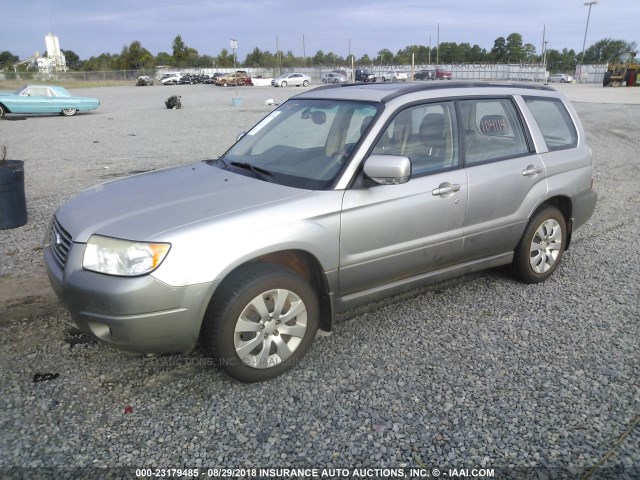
(171, 78)
(296, 79)
(394, 76)
(560, 77)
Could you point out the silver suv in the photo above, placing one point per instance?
(342, 195)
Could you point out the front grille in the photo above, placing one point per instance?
(60, 243)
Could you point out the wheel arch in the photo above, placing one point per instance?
(565, 206)
(4, 108)
(308, 267)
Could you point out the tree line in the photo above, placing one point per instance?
(505, 50)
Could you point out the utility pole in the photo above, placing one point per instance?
(584, 42)
(438, 46)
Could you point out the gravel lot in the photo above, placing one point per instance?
(478, 372)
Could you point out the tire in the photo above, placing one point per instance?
(607, 79)
(242, 330)
(384, 79)
(394, 79)
(283, 84)
(305, 83)
(68, 112)
(2, 111)
(541, 247)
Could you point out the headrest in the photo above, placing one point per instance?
(432, 123)
(494, 125)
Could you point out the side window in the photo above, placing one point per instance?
(427, 134)
(492, 130)
(38, 92)
(554, 121)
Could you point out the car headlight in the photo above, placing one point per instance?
(123, 257)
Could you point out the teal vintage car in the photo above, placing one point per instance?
(30, 99)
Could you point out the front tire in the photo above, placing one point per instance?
(68, 112)
(260, 322)
(283, 84)
(540, 250)
(2, 111)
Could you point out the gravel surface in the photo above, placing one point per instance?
(477, 372)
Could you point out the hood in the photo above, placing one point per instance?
(144, 206)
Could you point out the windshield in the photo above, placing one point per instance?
(304, 143)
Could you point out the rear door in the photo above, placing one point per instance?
(506, 177)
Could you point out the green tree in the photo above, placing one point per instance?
(515, 50)
(163, 58)
(364, 60)
(224, 60)
(180, 51)
(499, 50)
(451, 52)
(385, 57)
(135, 56)
(72, 59)
(7, 59)
(104, 61)
(607, 50)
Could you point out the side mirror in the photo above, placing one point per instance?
(388, 169)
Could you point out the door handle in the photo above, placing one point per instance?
(531, 170)
(445, 188)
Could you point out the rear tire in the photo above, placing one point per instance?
(260, 322)
(305, 83)
(68, 112)
(540, 250)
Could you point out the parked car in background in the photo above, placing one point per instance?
(425, 74)
(33, 99)
(292, 79)
(560, 78)
(143, 81)
(237, 79)
(338, 197)
(172, 78)
(365, 75)
(212, 79)
(333, 77)
(442, 74)
(394, 76)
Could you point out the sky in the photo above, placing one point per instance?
(92, 27)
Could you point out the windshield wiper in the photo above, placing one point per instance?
(258, 171)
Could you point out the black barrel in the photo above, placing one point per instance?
(13, 204)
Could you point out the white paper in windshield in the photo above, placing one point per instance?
(263, 123)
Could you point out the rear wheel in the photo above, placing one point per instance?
(305, 83)
(68, 112)
(540, 250)
(261, 321)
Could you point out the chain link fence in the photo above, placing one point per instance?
(467, 71)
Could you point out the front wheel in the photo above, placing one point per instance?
(261, 321)
(540, 250)
(68, 112)
(283, 84)
(2, 111)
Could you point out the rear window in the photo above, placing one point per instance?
(554, 121)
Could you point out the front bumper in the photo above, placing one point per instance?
(136, 314)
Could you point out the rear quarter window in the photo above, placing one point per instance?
(554, 121)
